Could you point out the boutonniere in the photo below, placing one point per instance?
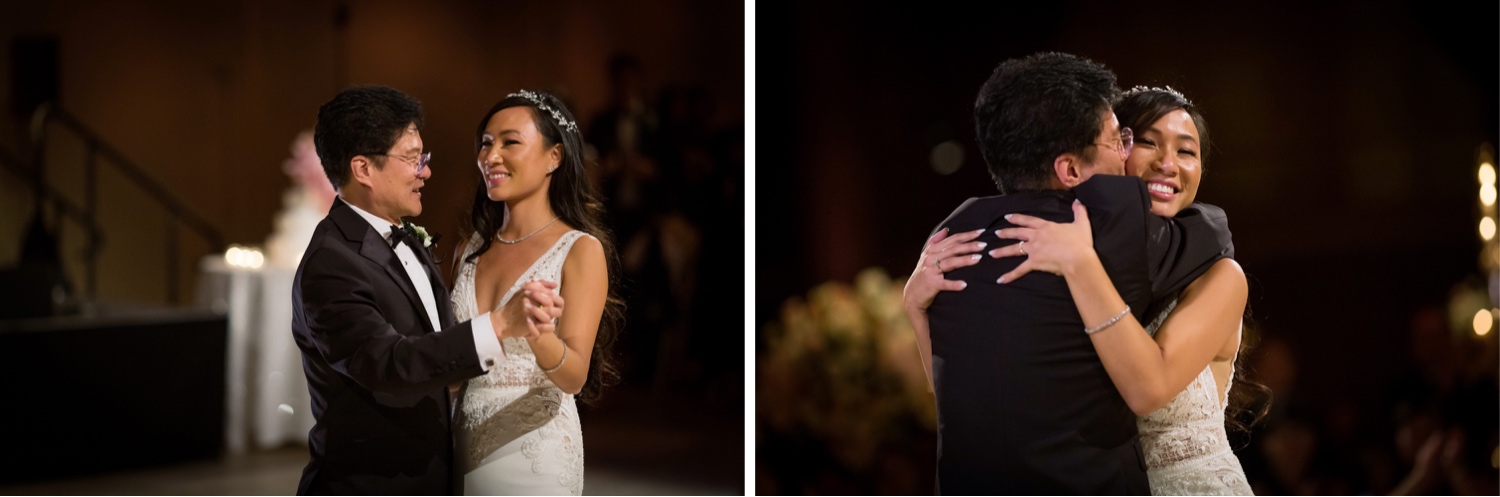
(428, 240)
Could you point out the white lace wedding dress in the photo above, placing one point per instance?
(1187, 450)
(516, 433)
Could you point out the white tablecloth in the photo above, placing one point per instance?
(267, 399)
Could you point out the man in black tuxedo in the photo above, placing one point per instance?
(1024, 403)
(372, 317)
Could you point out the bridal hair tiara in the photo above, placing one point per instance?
(1164, 89)
(556, 115)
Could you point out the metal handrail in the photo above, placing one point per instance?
(11, 162)
(178, 212)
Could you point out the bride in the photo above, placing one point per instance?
(1179, 382)
(535, 217)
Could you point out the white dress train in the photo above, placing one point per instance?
(516, 433)
(1187, 450)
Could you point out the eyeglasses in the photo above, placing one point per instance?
(420, 161)
(1127, 142)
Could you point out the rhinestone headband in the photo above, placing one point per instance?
(1164, 89)
(556, 114)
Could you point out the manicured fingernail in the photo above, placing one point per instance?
(962, 285)
(982, 245)
(528, 293)
(1000, 280)
(978, 231)
(995, 253)
(974, 257)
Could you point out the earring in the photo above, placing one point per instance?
(553, 168)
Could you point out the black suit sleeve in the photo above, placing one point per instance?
(1118, 212)
(1177, 249)
(1182, 248)
(348, 328)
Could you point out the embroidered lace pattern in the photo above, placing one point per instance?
(1187, 450)
(516, 401)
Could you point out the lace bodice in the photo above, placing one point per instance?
(519, 369)
(515, 402)
(1187, 450)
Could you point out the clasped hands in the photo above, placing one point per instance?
(1047, 246)
(530, 313)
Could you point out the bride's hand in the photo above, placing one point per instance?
(528, 314)
(1051, 247)
(943, 253)
(546, 308)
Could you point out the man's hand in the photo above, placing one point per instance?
(943, 253)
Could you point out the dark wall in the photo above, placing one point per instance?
(207, 97)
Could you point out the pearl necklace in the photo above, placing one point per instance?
(522, 239)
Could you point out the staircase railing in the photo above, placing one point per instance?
(179, 215)
(13, 162)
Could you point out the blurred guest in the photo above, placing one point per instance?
(622, 134)
(666, 176)
(1289, 448)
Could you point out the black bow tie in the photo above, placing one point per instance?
(402, 234)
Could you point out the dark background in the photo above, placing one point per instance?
(1345, 143)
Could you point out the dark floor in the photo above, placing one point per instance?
(635, 443)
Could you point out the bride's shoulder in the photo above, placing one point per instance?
(1224, 279)
(586, 252)
(1228, 268)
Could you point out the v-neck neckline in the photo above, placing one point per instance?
(474, 276)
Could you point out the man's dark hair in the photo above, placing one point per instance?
(362, 120)
(1036, 108)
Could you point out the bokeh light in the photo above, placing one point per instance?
(947, 157)
(1483, 322)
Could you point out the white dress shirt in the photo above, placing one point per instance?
(486, 345)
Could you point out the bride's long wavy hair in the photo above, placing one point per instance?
(573, 198)
(1139, 108)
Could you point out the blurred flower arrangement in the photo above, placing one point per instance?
(841, 371)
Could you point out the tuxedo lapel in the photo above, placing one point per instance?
(378, 251)
(375, 249)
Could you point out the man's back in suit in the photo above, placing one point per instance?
(1025, 406)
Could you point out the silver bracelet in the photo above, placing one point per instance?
(560, 362)
(1111, 321)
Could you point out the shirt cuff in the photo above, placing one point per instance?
(486, 345)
